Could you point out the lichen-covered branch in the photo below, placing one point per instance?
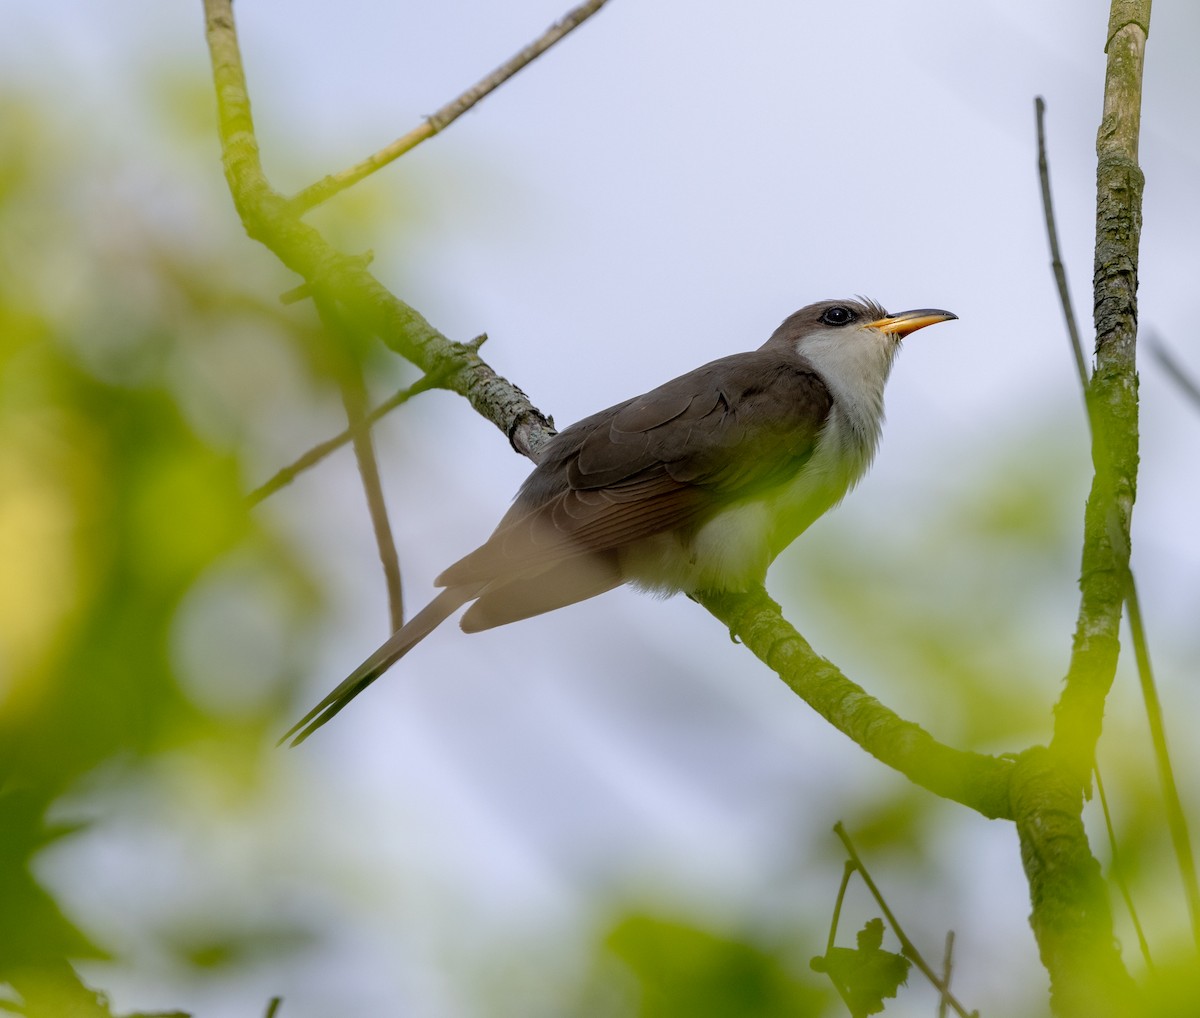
(1112, 396)
(1071, 918)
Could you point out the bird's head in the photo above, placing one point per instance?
(852, 340)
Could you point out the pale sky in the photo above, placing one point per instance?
(661, 189)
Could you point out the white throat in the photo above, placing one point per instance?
(855, 366)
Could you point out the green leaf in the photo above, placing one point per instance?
(865, 975)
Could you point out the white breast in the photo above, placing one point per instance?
(734, 549)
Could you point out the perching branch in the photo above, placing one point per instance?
(978, 781)
(327, 187)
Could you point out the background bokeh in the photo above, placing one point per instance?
(611, 810)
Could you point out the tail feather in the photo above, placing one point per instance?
(394, 648)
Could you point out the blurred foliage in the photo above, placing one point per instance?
(151, 627)
(652, 967)
(121, 491)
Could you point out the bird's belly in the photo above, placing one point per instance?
(733, 550)
(728, 552)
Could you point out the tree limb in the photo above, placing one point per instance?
(1112, 397)
(1071, 919)
(268, 218)
(972, 779)
(1176, 818)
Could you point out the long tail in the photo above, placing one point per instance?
(395, 647)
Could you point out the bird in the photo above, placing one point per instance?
(694, 486)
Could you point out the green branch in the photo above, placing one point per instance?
(972, 779)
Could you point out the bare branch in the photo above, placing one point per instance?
(354, 399)
(1176, 820)
(327, 187)
(947, 972)
(318, 452)
(1174, 369)
(1056, 263)
(1118, 873)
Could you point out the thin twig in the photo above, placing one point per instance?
(848, 869)
(354, 398)
(1174, 369)
(1056, 263)
(1176, 819)
(327, 187)
(318, 452)
(273, 1006)
(907, 947)
(947, 970)
(1118, 872)
(847, 873)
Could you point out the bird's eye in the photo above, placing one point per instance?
(838, 315)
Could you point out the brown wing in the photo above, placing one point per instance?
(668, 459)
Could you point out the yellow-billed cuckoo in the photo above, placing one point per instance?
(695, 486)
